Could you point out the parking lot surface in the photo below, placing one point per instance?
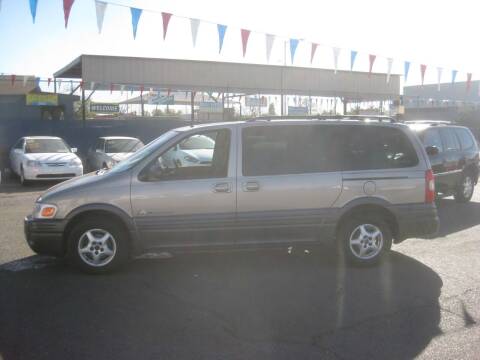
(423, 301)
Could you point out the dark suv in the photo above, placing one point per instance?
(453, 153)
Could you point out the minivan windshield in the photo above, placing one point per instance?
(144, 152)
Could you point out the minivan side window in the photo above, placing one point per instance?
(376, 147)
(199, 156)
(431, 137)
(451, 142)
(290, 149)
(465, 137)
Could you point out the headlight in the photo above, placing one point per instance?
(75, 162)
(33, 163)
(190, 159)
(44, 211)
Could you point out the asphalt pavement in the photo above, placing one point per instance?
(422, 301)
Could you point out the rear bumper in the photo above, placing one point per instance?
(416, 221)
(45, 236)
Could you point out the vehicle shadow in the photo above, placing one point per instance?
(455, 217)
(264, 304)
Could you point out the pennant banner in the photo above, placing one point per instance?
(423, 68)
(454, 76)
(33, 9)
(312, 54)
(136, 13)
(353, 56)
(166, 20)
(336, 54)
(222, 29)
(67, 6)
(269, 39)
(100, 8)
(389, 68)
(439, 77)
(293, 48)
(406, 69)
(194, 24)
(469, 81)
(371, 59)
(245, 35)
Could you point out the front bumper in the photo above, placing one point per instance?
(416, 221)
(45, 237)
(52, 172)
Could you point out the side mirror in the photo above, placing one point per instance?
(74, 150)
(432, 150)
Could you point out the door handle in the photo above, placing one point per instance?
(251, 186)
(222, 188)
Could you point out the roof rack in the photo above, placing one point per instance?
(429, 122)
(379, 118)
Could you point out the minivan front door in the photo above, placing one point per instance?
(289, 177)
(186, 196)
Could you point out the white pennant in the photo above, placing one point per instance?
(336, 53)
(269, 38)
(25, 80)
(122, 87)
(439, 77)
(92, 85)
(389, 68)
(194, 24)
(100, 7)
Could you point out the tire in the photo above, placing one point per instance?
(465, 189)
(23, 182)
(98, 245)
(358, 243)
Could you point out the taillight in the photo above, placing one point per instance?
(429, 187)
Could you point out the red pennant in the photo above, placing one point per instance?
(49, 81)
(111, 88)
(81, 84)
(67, 6)
(469, 81)
(166, 20)
(423, 69)
(314, 49)
(372, 60)
(245, 36)
(12, 78)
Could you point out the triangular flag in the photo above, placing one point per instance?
(312, 53)
(406, 69)
(439, 77)
(423, 68)
(371, 59)
(353, 56)
(25, 80)
(33, 9)
(293, 48)
(12, 79)
(111, 88)
(67, 6)
(454, 75)
(269, 39)
(92, 85)
(166, 20)
(59, 84)
(136, 13)
(336, 54)
(389, 68)
(469, 81)
(221, 35)
(100, 7)
(122, 87)
(49, 80)
(194, 24)
(245, 35)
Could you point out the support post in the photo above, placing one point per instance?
(83, 107)
(55, 85)
(223, 106)
(192, 106)
(141, 103)
(345, 102)
(282, 105)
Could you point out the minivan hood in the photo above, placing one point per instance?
(120, 156)
(51, 157)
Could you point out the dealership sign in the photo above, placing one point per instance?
(42, 99)
(161, 100)
(255, 101)
(104, 108)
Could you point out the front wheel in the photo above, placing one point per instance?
(465, 190)
(364, 241)
(98, 245)
(23, 181)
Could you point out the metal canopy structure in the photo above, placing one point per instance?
(228, 77)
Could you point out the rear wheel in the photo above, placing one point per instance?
(465, 190)
(98, 245)
(365, 240)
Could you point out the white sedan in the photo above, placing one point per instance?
(110, 150)
(44, 158)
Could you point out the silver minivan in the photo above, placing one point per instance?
(358, 184)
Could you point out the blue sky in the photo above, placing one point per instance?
(437, 33)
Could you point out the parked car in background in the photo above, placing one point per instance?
(44, 158)
(453, 153)
(110, 150)
(194, 151)
(359, 185)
